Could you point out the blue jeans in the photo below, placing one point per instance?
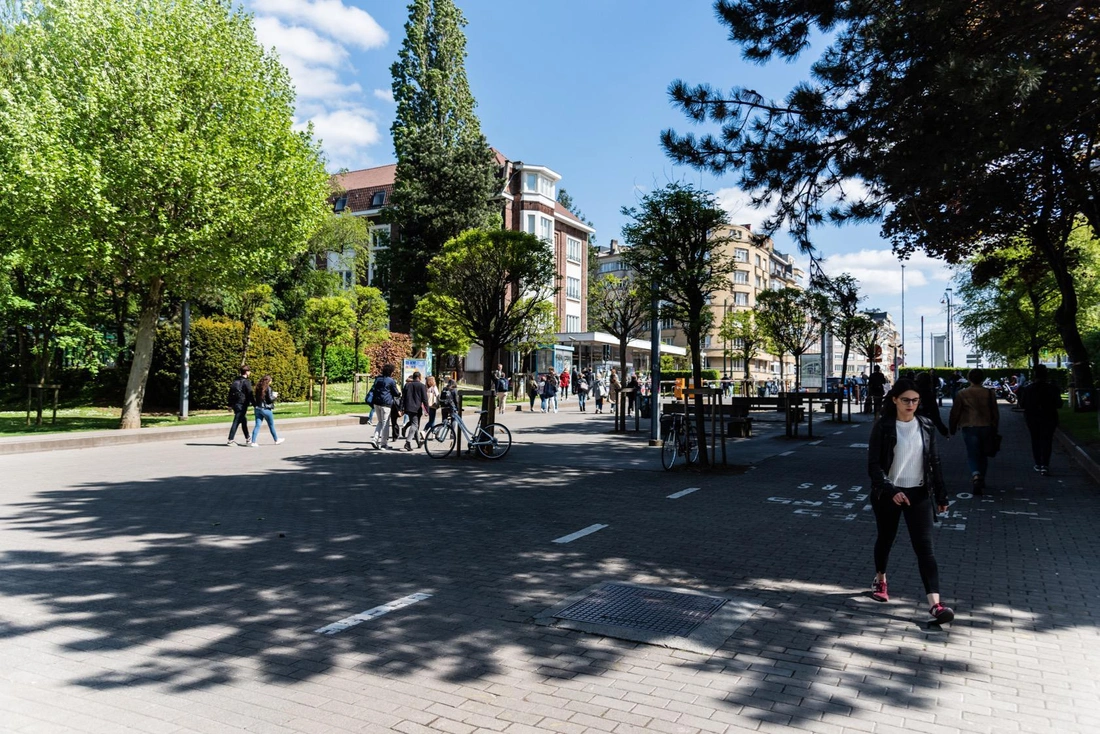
(262, 415)
(582, 398)
(974, 437)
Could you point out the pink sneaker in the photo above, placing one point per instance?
(878, 591)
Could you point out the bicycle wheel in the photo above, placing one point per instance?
(669, 448)
(691, 445)
(440, 441)
(493, 441)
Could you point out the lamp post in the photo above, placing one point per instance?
(725, 341)
(903, 313)
(950, 340)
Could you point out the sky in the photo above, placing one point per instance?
(579, 86)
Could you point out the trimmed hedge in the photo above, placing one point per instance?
(215, 361)
(686, 374)
(339, 363)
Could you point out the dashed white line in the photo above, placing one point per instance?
(786, 453)
(858, 445)
(579, 534)
(682, 493)
(370, 614)
(814, 443)
(837, 433)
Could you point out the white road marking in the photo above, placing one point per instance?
(370, 614)
(579, 534)
(682, 493)
(837, 433)
(858, 446)
(1006, 512)
(786, 453)
(814, 443)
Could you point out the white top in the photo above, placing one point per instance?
(908, 467)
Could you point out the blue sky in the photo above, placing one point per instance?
(581, 87)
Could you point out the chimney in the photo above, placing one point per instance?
(614, 248)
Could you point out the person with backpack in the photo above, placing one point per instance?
(876, 388)
(240, 400)
(500, 384)
(414, 401)
(384, 396)
(581, 386)
(975, 412)
(264, 404)
(550, 392)
(598, 392)
(532, 391)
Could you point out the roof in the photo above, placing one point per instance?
(366, 178)
(563, 213)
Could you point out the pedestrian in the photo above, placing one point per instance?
(414, 401)
(385, 395)
(264, 405)
(500, 384)
(550, 392)
(928, 407)
(563, 383)
(574, 378)
(633, 385)
(598, 392)
(975, 412)
(433, 401)
(370, 402)
(876, 387)
(1041, 401)
(532, 391)
(448, 400)
(613, 389)
(581, 386)
(906, 479)
(240, 399)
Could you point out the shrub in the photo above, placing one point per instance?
(392, 351)
(215, 361)
(340, 363)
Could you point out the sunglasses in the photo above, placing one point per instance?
(909, 401)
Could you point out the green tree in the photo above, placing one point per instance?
(173, 127)
(447, 175)
(254, 305)
(868, 338)
(329, 320)
(842, 294)
(791, 318)
(968, 123)
(743, 330)
(434, 324)
(674, 244)
(372, 318)
(496, 281)
(621, 307)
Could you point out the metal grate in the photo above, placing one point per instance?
(652, 610)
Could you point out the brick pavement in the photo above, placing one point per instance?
(176, 587)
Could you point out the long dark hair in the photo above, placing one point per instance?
(889, 409)
(265, 382)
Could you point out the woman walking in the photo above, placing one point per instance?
(386, 395)
(532, 391)
(975, 412)
(598, 391)
(433, 402)
(906, 479)
(264, 403)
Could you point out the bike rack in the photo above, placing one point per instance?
(714, 402)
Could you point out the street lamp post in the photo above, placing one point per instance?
(903, 313)
(950, 340)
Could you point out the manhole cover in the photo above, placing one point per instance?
(638, 608)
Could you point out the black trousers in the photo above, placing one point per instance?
(240, 418)
(1042, 440)
(919, 519)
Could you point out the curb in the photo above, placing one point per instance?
(1079, 455)
(93, 439)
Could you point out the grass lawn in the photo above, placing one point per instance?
(1083, 427)
(74, 418)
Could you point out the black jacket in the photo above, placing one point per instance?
(1040, 401)
(385, 392)
(880, 457)
(414, 398)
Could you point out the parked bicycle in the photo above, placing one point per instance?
(679, 439)
(492, 441)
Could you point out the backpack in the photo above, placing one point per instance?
(502, 384)
(236, 393)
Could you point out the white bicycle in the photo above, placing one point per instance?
(492, 441)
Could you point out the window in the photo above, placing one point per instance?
(546, 227)
(737, 234)
(741, 255)
(668, 340)
(546, 188)
(573, 288)
(738, 366)
(573, 323)
(667, 324)
(741, 277)
(740, 299)
(610, 267)
(340, 205)
(738, 343)
(573, 249)
(759, 282)
(377, 199)
(757, 261)
(531, 182)
(530, 224)
(704, 343)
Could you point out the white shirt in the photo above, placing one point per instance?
(908, 467)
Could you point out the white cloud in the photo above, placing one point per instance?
(386, 95)
(879, 271)
(345, 133)
(314, 40)
(348, 24)
(738, 204)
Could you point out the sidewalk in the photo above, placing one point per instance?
(178, 586)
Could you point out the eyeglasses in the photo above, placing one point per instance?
(910, 401)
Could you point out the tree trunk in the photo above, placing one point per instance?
(143, 354)
(797, 371)
(247, 342)
(697, 382)
(1065, 316)
(488, 403)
